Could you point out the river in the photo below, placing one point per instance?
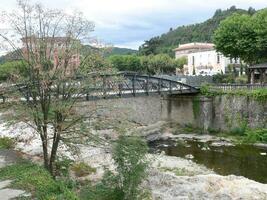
(241, 160)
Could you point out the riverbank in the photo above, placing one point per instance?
(169, 177)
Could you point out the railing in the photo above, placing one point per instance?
(227, 87)
(122, 84)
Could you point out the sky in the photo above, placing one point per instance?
(128, 23)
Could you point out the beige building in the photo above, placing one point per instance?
(203, 59)
(184, 49)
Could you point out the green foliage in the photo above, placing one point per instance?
(238, 131)
(119, 51)
(126, 62)
(36, 180)
(11, 69)
(243, 36)
(129, 155)
(257, 94)
(161, 63)
(107, 189)
(94, 62)
(6, 143)
(201, 32)
(82, 169)
(62, 166)
(223, 78)
(258, 135)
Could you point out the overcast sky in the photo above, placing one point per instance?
(127, 23)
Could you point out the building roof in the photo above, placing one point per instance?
(194, 46)
(259, 66)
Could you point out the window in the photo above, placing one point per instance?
(218, 59)
(193, 60)
(235, 60)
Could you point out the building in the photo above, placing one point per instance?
(55, 50)
(258, 73)
(184, 49)
(203, 59)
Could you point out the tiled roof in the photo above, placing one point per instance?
(195, 46)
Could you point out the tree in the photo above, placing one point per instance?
(243, 36)
(235, 38)
(126, 63)
(51, 45)
(150, 46)
(9, 70)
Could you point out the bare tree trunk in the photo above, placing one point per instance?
(56, 140)
(45, 154)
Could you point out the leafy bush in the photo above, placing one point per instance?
(82, 169)
(129, 155)
(6, 143)
(238, 131)
(259, 135)
(13, 68)
(36, 180)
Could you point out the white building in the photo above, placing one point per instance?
(205, 60)
(184, 49)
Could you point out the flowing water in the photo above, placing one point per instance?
(241, 160)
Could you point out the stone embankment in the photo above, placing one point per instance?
(170, 178)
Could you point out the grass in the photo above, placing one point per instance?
(6, 143)
(37, 181)
(82, 169)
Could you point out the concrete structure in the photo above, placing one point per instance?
(258, 73)
(219, 113)
(203, 59)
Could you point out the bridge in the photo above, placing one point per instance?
(119, 85)
(131, 84)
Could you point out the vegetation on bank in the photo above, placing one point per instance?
(257, 94)
(37, 181)
(240, 134)
(122, 184)
(129, 156)
(6, 143)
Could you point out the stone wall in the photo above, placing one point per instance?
(220, 112)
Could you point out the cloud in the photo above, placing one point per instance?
(128, 22)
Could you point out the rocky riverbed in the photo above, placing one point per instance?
(170, 178)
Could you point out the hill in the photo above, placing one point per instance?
(11, 56)
(120, 51)
(201, 32)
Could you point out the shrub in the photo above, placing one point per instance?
(129, 155)
(258, 135)
(7, 143)
(82, 169)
